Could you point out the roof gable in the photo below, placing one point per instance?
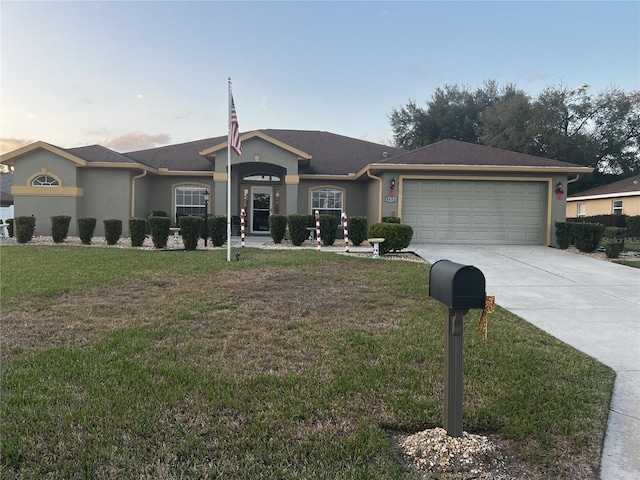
(10, 157)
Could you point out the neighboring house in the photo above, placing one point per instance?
(616, 198)
(6, 199)
(449, 192)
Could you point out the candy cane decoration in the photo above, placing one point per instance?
(318, 228)
(242, 215)
(346, 232)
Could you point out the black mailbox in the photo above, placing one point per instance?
(457, 286)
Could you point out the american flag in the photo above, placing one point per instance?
(235, 130)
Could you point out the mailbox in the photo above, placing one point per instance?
(457, 286)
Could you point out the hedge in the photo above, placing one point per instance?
(159, 230)
(633, 226)
(298, 228)
(86, 227)
(190, 227)
(328, 226)
(277, 227)
(588, 236)
(564, 234)
(614, 241)
(112, 230)
(357, 230)
(60, 227)
(25, 227)
(396, 235)
(218, 230)
(606, 220)
(138, 231)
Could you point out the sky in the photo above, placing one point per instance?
(136, 74)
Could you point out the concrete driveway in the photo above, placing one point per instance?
(588, 303)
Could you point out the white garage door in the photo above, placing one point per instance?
(475, 212)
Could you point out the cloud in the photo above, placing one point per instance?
(418, 71)
(10, 144)
(136, 141)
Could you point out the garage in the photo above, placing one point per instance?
(475, 211)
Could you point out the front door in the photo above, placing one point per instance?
(260, 208)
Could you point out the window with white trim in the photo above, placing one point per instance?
(190, 200)
(617, 207)
(45, 181)
(328, 201)
(582, 209)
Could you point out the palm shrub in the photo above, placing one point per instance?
(138, 231)
(396, 235)
(218, 229)
(277, 227)
(159, 230)
(60, 227)
(25, 226)
(588, 236)
(614, 241)
(86, 227)
(328, 226)
(190, 230)
(564, 234)
(357, 230)
(297, 228)
(112, 230)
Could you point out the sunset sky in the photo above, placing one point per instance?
(134, 75)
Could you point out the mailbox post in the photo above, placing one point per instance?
(459, 288)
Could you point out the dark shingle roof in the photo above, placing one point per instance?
(333, 154)
(180, 157)
(98, 153)
(455, 152)
(631, 184)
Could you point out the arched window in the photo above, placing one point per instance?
(328, 201)
(261, 177)
(45, 181)
(190, 200)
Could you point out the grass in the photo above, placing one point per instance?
(121, 363)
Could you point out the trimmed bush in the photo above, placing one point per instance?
(86, 227)
(633, 226)
(391, 220)
(328, 226)
(60, 227)
(277, 227)
(357, 230)
(10, 221)
(190, 227)
(138, 231)
(614, 241)
(159, 213)
(159, 231)
(112, 230)
(298, 228)
(396, 235)
(588, 236)
(564, 234)
(218, 230)
(25, 226)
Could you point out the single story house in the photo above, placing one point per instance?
(616, 198)
(449, 192)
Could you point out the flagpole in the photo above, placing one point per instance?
(229, 178)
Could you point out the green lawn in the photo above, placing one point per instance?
(120, 363)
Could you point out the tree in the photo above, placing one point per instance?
(572, 125)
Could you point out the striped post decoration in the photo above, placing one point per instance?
(318, 240)
(345, 228)
(242, 215)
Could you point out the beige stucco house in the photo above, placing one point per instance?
(616, 198)
(449, 192)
